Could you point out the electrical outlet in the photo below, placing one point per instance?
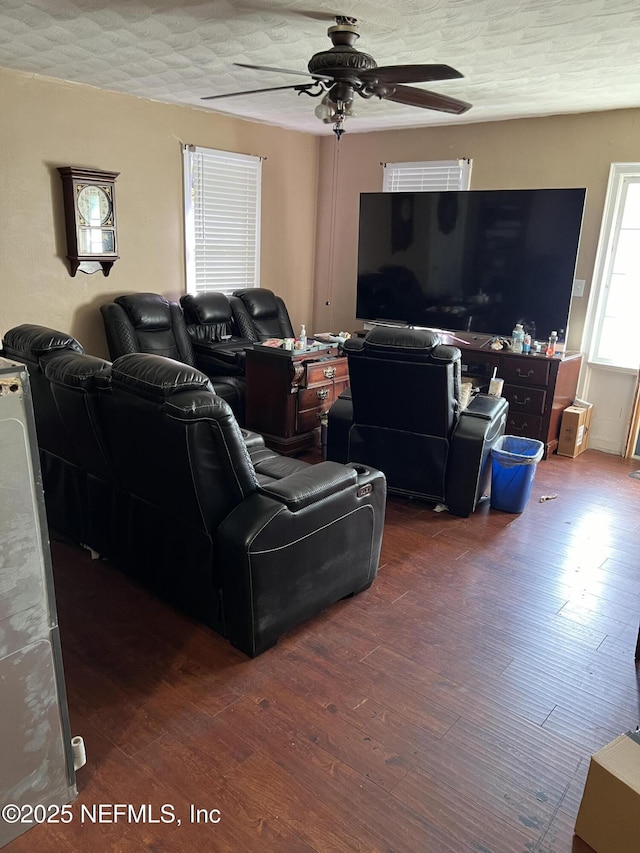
(578, 287)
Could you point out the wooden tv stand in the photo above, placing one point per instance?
(289, 392)
(538, 388)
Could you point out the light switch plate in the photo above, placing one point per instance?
(578, 287)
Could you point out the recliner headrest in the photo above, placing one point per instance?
(148, 311)
(36, 341)
(410, 344)
(259, 302)
(401, 338)
(79, 370)
(156, 376)
(206, 308)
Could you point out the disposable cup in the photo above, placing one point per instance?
(495, 387)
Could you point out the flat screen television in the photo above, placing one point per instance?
(469, 261)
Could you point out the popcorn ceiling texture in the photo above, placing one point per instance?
(519, 57)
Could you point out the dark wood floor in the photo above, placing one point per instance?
(452, 707)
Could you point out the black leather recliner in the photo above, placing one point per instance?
(259, 314)
(250, 555)
(149, 323)
(217, 346)
(402, 414)
(63, 477)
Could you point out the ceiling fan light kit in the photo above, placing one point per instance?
(342, 71)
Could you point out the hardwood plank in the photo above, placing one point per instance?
(452, 707)
(472, 825)
(327, 797)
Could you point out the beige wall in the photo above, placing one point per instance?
(309, 225)
(558, 151)
(46, 124)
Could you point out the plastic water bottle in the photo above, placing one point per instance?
(551, 346)
(517, 338)
(303, 337)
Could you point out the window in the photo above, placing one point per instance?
(434, 175)
(615, 302)
(222, 219)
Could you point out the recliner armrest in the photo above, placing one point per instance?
(221, 357)
(303, 488)
(252, 439)
(484, 406)
(340, 419)
(479, 426)
(229, 345)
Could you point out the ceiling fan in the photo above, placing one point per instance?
(342, 71)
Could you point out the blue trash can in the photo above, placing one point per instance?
(513, 467)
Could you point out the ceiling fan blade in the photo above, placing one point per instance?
(428, 100)
(409, 74)
(282, 71)
(299, 86)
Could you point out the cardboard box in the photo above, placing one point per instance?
(609, 815)
(574, 429)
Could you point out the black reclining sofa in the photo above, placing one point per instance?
(183, 500)
(222, 328)
(149, 323)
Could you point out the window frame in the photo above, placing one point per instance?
(621, 175)
(237, 180)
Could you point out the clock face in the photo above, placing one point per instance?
(94, 205)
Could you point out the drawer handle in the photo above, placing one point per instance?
(329, 372)
(526, 375)
(322, 393)
(521, 402)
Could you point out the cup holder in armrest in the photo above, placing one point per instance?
(360, 469)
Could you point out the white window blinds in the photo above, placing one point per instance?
(434, 175)
(222, 219)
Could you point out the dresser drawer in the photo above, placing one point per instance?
(319, 372)
(524, 426)
(525, 371)
(525, 400)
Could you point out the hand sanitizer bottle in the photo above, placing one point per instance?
(303, 337)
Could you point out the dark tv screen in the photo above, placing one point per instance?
(473, 261)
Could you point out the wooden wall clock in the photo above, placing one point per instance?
(90, 216)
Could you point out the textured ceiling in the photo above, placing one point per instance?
(518, 57)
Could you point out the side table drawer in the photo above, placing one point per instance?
(320, 372)
(312, 402)
(316, 397)
(525, 400)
